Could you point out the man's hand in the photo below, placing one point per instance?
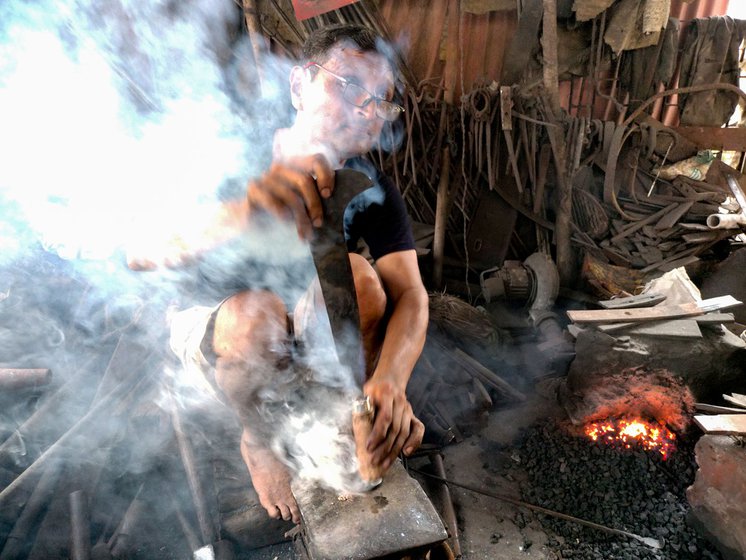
(292, 190)
(395, 427)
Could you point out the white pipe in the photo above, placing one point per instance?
(726, 221)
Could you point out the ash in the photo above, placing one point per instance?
(629, 489)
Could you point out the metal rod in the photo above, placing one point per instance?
(449, 512)
(206, 526)
(20, 378)
(122, 541)
(26, 525)
(651, 542)
(80, 526)
(93, 419)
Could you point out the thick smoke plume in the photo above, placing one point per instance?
(122, 121)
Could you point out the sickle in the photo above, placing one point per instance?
(330, 256)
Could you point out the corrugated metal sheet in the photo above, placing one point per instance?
(421, 23)
(485, 39)
(685, 11)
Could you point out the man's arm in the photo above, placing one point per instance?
(185, 242)
(396, 427)
(290, 190)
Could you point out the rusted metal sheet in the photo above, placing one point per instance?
(486, 39)
(484, 6)
(523, 42)
(588, 9)
(714, 137)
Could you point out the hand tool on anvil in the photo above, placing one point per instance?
(329, 251)
(332, 262)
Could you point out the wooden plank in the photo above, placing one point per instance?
(712, 318)
(736, 399)
(715, 137)
(642, 300)
(639, 224)
(657, 313)
(486, 375)
(675, 328)
(718, 303)
(704, 407)
(670, 219)
(722, 424)
(715, 318)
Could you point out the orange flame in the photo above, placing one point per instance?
(651, 436)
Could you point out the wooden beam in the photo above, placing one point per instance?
(736, 399)
(722, 424)
(715, 137)
(704, 407)
(673, 328)
(657, 313)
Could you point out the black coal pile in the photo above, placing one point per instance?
(634, 490)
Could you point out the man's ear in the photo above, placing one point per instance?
(297, 75)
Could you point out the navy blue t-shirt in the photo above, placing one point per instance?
(377, 215)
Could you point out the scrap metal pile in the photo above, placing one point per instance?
(96, 450)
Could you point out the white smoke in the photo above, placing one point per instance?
(121, 120)
(113, 111)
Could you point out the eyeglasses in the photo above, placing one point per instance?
(360, 97)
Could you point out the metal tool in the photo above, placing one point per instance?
(329, 252)
(649, 541)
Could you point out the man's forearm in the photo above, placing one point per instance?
(188, 241)
(405, 337)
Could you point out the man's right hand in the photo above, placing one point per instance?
(293, 190)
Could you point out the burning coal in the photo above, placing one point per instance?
(635, 393)
(633, 432)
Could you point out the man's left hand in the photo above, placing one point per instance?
(396, 428)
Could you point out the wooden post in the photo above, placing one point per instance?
(442, 208)
(549, 53)
(258, 41)
(443, 200)
(563, 227)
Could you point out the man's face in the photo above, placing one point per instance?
(337, 124)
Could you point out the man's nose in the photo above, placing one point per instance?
(368, 109)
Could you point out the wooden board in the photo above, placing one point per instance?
(657, 313)
(715, 318)
(718, 303)
(736, 399)
(715, 137)
(674, 328)
(722, 424)
(643, 300)
(704, 407)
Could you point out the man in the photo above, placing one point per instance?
(342, 93)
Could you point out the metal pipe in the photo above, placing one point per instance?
(206, 525)
(21, 536)
(121, 542)
(101, 410)
(20, 378)
(726, 221)
(449, 513)
(80, 526)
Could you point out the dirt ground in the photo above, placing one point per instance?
(492, 529)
